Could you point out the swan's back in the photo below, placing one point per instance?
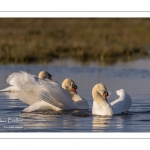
(123, 103)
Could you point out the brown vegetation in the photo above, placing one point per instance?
(105, 40)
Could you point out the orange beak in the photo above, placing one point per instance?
(74, 90)
(105, 96)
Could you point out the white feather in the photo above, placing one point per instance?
(50, 92)
(17, 80)
(123, 103)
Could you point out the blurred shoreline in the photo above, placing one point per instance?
(103, 40)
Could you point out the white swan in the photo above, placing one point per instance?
(70, 86)
(18, 79)
(49, 95)
(30, 86)
(102, 107)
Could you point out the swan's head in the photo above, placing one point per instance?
(120, 92)
(44, 75)
(69, 85)
(101, 89)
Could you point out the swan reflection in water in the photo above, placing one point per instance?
(51, 120)
(117, 122)
(9, 95)
(100, 122)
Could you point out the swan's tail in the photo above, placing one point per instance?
(11, 89)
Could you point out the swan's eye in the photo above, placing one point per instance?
(105, 92)
(74, 86)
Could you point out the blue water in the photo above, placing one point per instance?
(134, 77)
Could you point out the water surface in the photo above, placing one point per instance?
(133, 77)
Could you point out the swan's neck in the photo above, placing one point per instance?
(100, 105)
(70, 92)
(99, 99)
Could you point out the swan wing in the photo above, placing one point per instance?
(122, 104)
(19, 79)
(54, 94)
(28, 94)
(118, 106)
(48, 91)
